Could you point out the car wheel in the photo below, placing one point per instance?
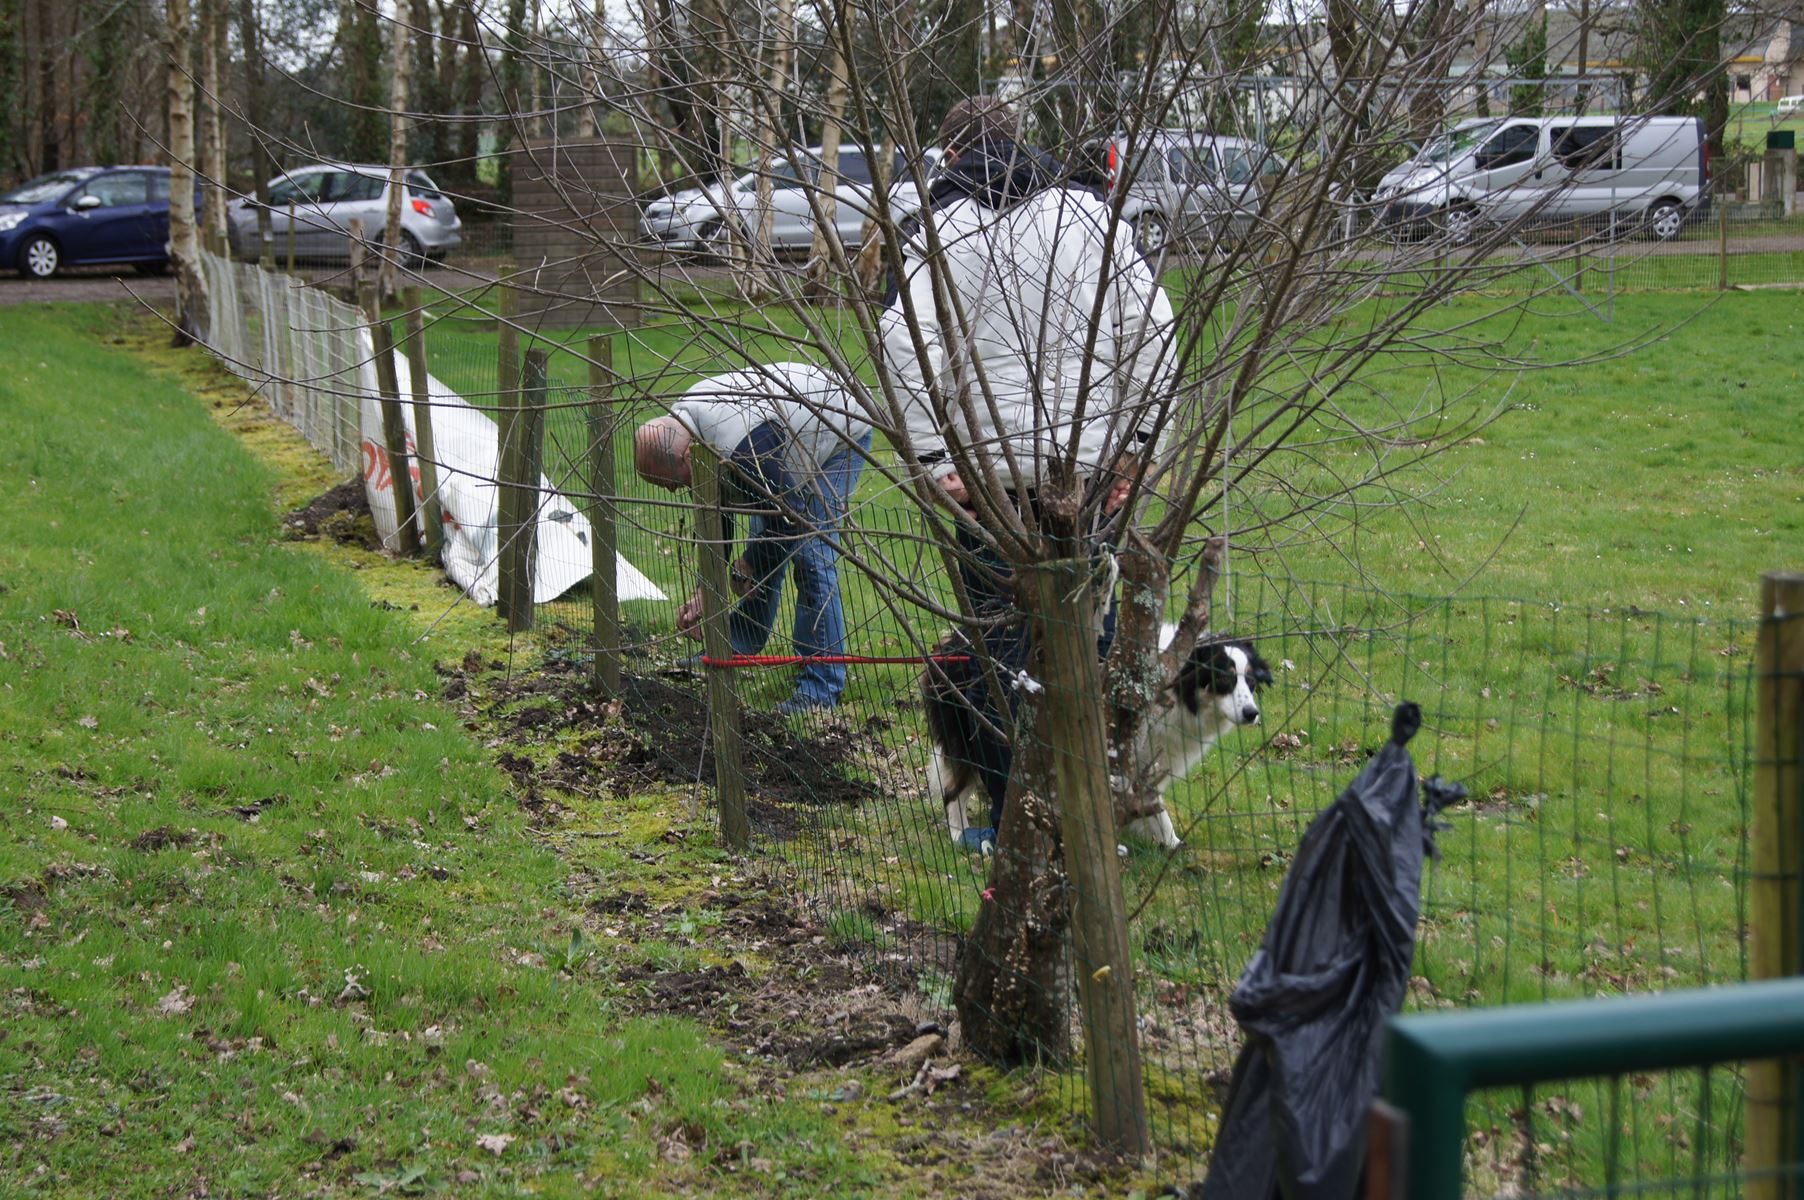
(1664, 221)
(1457, 223)
(39, 257)
(1151, 234)
(412, 257)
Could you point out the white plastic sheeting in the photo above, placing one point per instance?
(466, 445)
(311, 357)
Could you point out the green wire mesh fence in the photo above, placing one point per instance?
(1607, 754)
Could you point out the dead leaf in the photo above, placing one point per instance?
(176, 1002)
(909, 1058)
(186, 1145)
(88, 722)
(494, 1143)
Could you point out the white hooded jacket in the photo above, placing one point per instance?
(1027, 277)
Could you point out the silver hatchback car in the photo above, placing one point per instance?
(1188, 186)
(327, 197)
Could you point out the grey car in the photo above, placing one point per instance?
(702, 217)
(327, 197)
(1188, 186)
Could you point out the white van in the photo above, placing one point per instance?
(1788, 106)
(1652, 171)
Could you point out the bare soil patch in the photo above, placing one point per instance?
(341, 513)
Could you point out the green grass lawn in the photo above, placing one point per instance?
(270, 920)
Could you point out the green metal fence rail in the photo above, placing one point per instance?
(1433, 1061)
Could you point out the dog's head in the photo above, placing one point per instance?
(1226, 674)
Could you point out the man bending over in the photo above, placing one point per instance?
(791, 444)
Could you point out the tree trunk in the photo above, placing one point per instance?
(360, 46)
(1010, 986)
(1480, 20)
(1582, 94)
(212, 151)
(469, 91)
(776, 79)
(399, 74)
(1527, 59)
(514, 92)
(9, 82)
(184, 247)
(263, 164)
(1434, 46)
(536, 125)
(820, 255)
(1009, 979)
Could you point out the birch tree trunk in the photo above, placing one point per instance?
(397, 149)
(184, 248)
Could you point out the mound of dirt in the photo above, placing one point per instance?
(341, 514)
(658, 733)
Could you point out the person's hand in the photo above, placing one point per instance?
(1126, 471)
(689, 616)
(1118, 494)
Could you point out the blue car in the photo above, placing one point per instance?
(87, 215)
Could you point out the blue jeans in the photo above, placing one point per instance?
(774, 544)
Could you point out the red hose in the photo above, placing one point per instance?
(798, 660)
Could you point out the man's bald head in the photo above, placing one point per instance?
(661, 452)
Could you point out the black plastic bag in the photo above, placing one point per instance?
(1333, 967)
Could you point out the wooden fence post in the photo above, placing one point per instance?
(723, 690)
(1775, 1089)
(424, 445)
(1078, 747)
(520, 492)
(291, 234)
(394, 437)
(602, 532)
(507, 410)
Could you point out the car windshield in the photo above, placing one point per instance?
(44, 187)
(1452, 144)
(1244, 164)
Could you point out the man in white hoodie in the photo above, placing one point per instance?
(792, 443)
(1026, 335)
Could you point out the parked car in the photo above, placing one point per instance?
(1183, 185)
(327, 197)
(87, 215)
(704, 217)
(1788, 106)
(1652, 171)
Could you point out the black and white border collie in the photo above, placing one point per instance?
(1216, 689)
